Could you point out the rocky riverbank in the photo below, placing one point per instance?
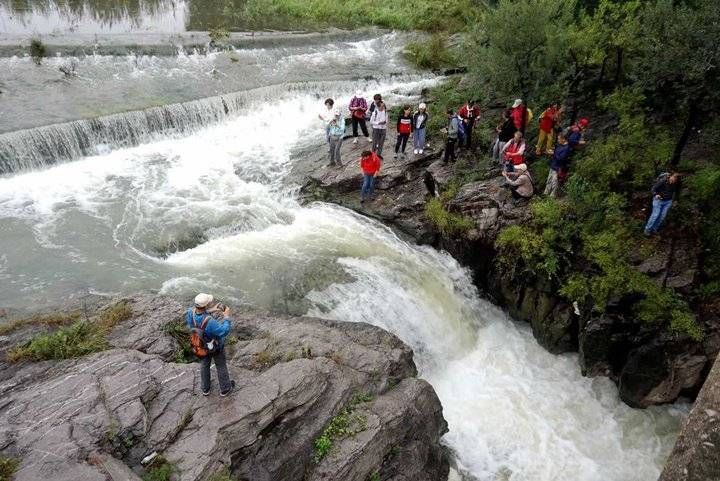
(649, 365)
(298, 379)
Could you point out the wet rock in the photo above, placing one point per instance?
(98, 416)
(695, 455)
(658, 371)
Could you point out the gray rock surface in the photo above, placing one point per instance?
(97, 417)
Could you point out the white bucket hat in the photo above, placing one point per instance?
(521, 167)
(422, 105)
(517, 103)
(202, 300)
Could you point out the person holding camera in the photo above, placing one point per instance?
(210, 326)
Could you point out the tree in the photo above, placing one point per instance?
(677, 63)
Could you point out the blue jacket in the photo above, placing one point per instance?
(561, 157)
(214, 328)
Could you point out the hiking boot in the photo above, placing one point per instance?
(225, 393)
(355, 140)
(331, 164)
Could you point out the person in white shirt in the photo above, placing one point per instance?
(379, 120)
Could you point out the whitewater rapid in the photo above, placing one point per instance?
(111, 223)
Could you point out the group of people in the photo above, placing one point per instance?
(408, 123)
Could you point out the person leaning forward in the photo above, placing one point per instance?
(212, 333)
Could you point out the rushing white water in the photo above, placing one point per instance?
(515, 412)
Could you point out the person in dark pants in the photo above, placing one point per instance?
(404, 129)
(216, 331)
(666, 187)
(469, 114)
(358, 108)
(452, 136)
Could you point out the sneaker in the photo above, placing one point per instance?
(331, 164)
(355, 141)
(206, 393)
(369, 139)
(362, 201)
(415, 151)
(395, 156)
(420, 151)
(225, 393)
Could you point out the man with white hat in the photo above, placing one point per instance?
(358, 108)
(213, 332)
(519, 114)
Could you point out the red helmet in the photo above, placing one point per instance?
(583, 122)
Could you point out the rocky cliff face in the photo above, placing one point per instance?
(650, 367)
(96, 417)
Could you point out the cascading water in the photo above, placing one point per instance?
(213, 210)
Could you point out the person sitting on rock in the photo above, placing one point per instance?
(370, 163)
(213, 331)
(520, 182)
(558, 166)
(404, 129)
(513, 152)
(664, 190)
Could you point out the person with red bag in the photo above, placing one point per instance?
(404, 129)
(469, 113)
(370, 163)
(358, 108)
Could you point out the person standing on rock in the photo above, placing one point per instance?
(514, 152)
(379, 120)
(404, 129)
(377, 98)
(558, 165)
(452, 130)
(469, 113)
(506, 131)
(358, 109)
(335, 139)
(327, 116)
(664, 190)
(370, 164)
(213, 333)
(546, 130)
(520, 115)
(419, 123)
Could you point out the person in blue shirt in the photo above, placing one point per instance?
(215, 331)
(558, 165)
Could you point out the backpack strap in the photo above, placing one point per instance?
(204, 322)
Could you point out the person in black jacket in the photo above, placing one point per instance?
(506, 131)
(665, 188)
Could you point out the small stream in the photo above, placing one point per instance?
(204, 202)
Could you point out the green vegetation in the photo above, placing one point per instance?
(447, 222)
(8, 466)
(49, 320)
(78, 339)
(346, 423)
(179, 332)
(431, 53)
(223, 475)
(37, 50)
(374, 476)
(160, 470)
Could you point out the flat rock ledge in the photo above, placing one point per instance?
(95, 418)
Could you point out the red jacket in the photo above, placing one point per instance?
(464, 112)
(515, 152)
(519, 115)
(370, 165)
(547, 119)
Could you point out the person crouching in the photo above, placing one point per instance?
(370, 163)
(208, 341)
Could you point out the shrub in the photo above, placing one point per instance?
(78, 339)
(446, 222)
(8, 466)
(179, 332)
(431, 53)
(160, 470)
(37, 50)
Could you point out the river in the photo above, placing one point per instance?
(206, 202)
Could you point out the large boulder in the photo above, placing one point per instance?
(96, 417)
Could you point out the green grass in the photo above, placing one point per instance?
(179, 332)
(56, 319)
(160, 470)
(431, 53)
(345, 424)
(8, 466)
(80, 338)
(446, 222)
(429, 15)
